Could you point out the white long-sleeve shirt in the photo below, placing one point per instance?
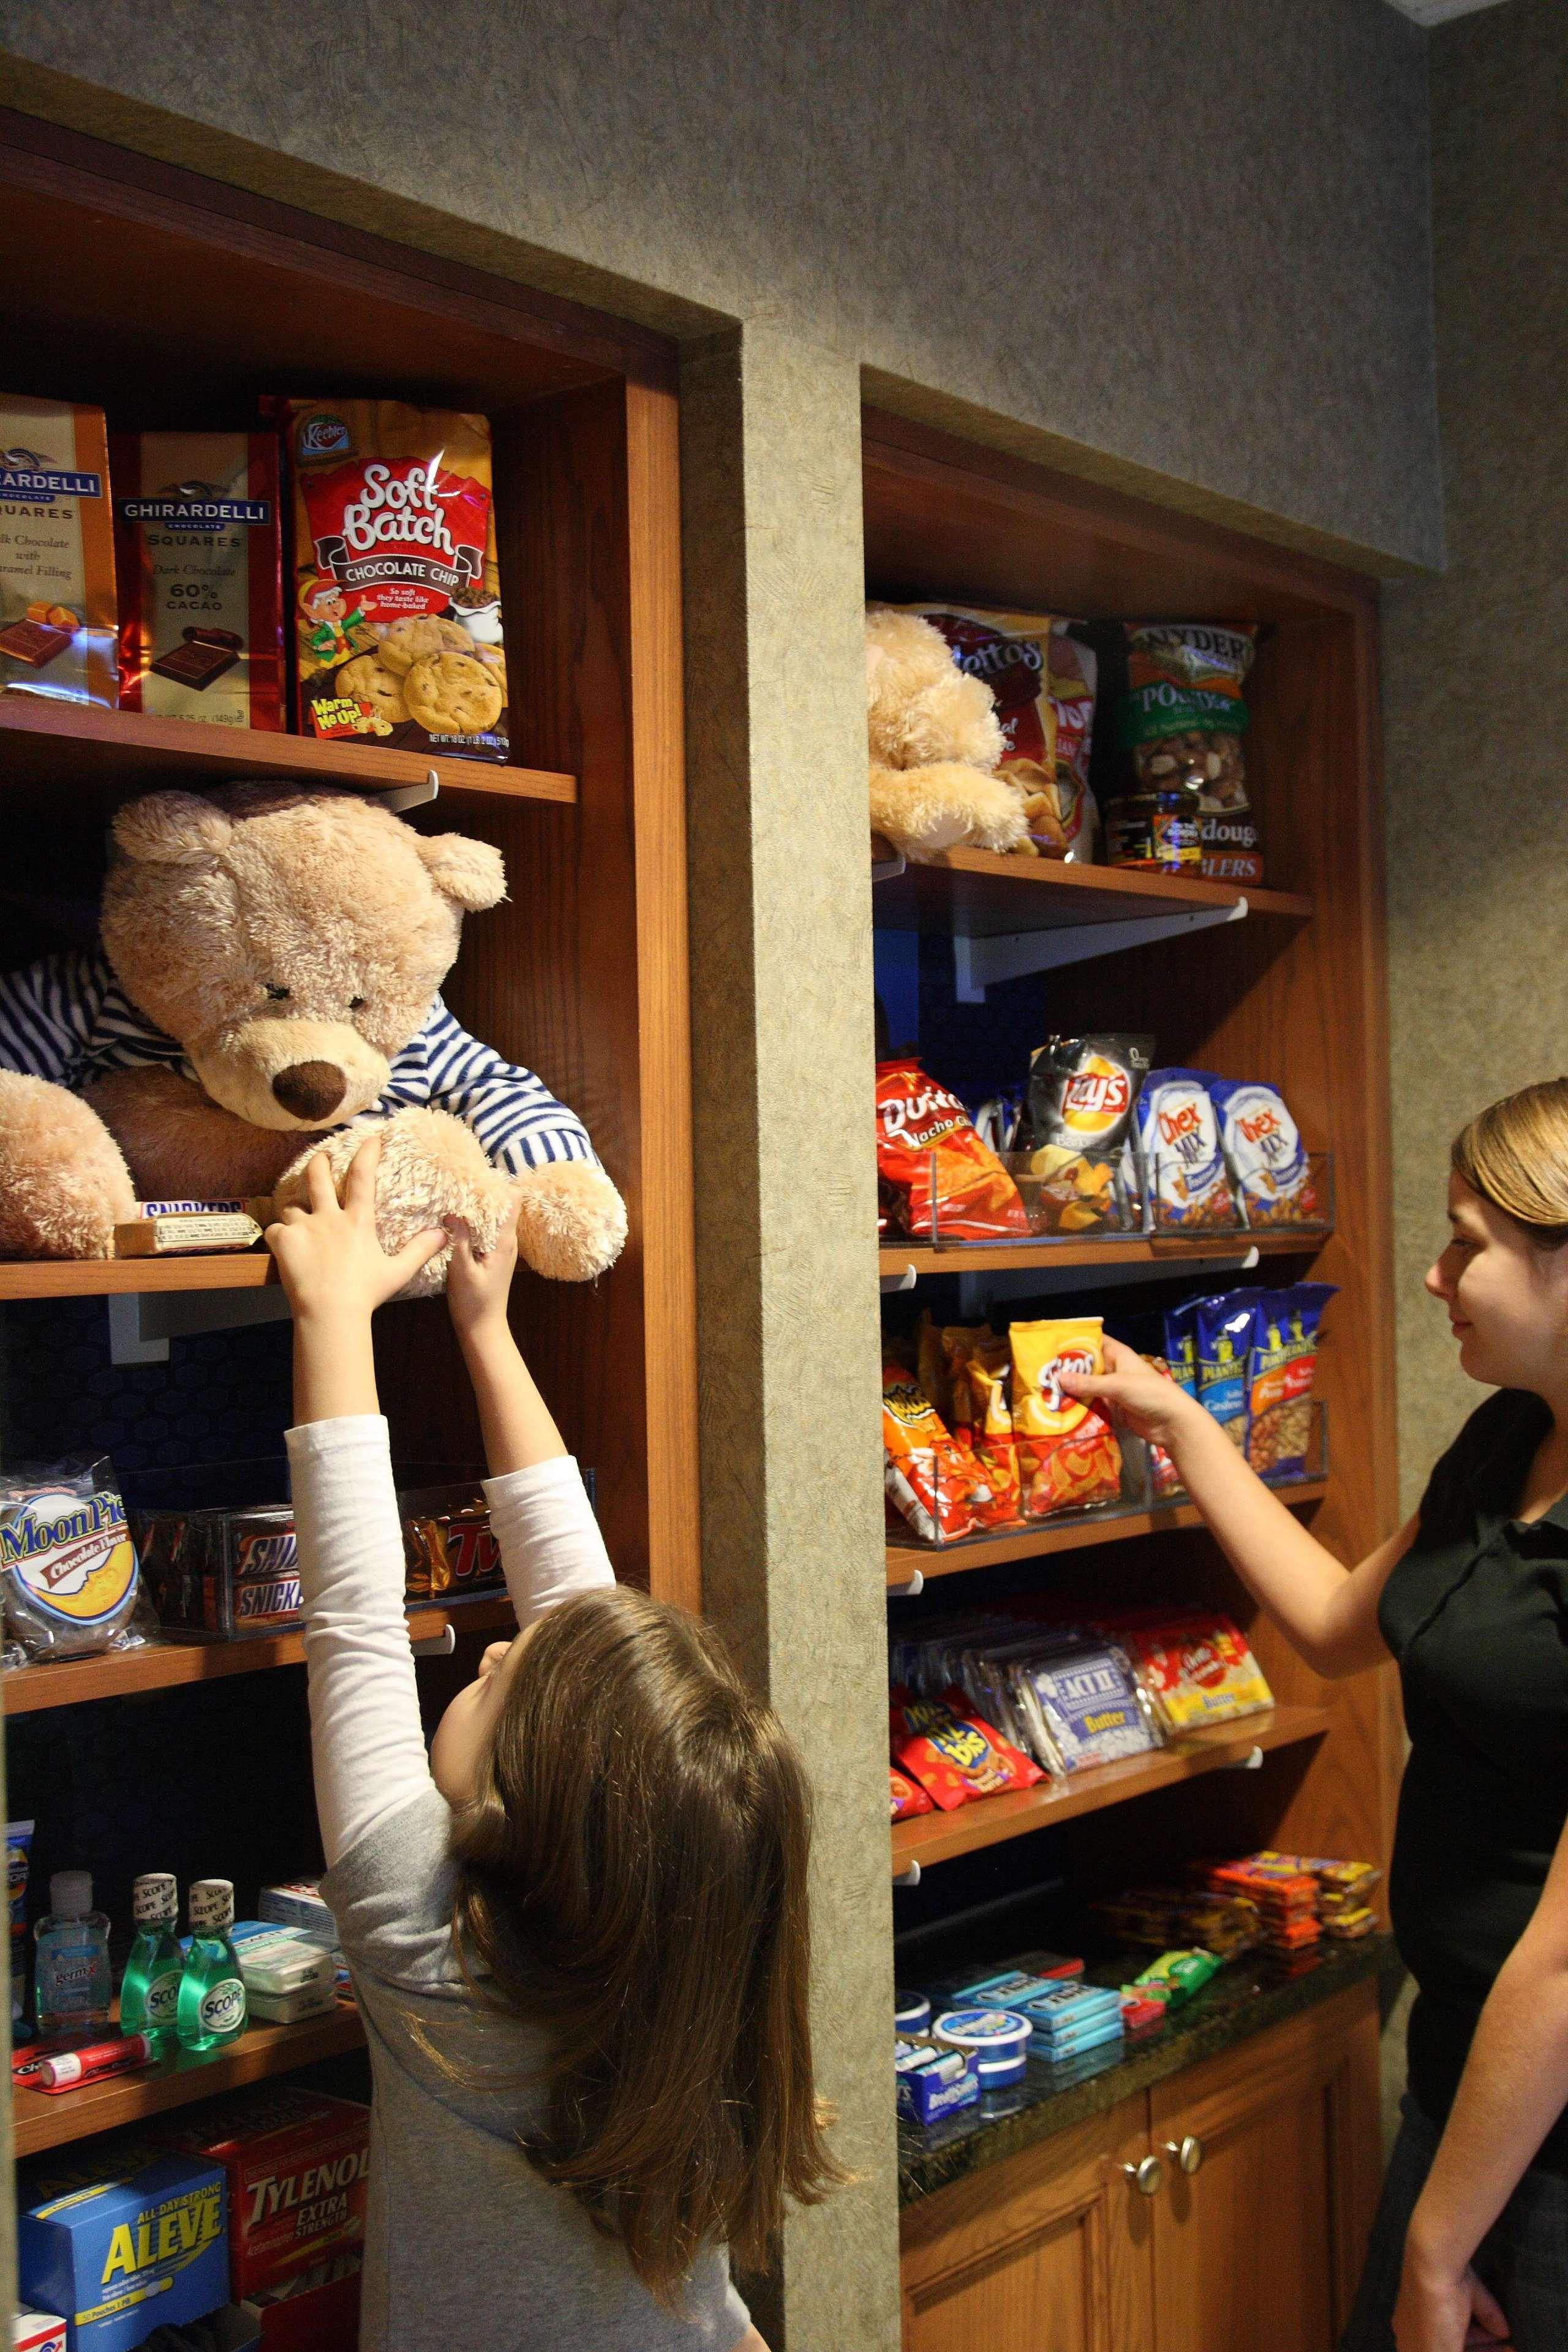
(464, 2242)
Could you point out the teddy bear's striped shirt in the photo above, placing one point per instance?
(68, 1018)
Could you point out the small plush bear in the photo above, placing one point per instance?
(269, 978)
(935, 743)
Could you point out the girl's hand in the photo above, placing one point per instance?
(1445, 2312)
(1150, 1403)
(328, 1257)
(478, 1288)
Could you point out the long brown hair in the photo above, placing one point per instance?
(1515, 1155)
(633, 1879)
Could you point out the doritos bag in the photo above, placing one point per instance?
(1068, 1453)
(936, 1175)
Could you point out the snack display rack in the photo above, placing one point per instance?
(1135, 1219)
(167, 299)
(1282, 983)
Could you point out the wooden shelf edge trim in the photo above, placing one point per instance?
(1055, 875)
(113, 1277)
(937, 1837)
(1073, 1535)
(41, 2121)
(1120, 1249)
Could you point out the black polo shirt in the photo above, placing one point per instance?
(1477, 1615)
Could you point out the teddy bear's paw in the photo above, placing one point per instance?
(955, 719)
(923, 810)
(64, 1184)
(570, 1221)
(433, 1170)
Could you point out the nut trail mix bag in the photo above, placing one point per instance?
(1180, 722)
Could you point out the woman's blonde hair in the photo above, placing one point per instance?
(633, 1880)
(1515, 1155)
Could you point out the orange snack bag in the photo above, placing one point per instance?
(928, 1479)
(935, 1172)
(1068, 1453)
(978, 1366)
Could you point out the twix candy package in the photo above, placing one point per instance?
(57, 552)
(198, 535)
(397, 590)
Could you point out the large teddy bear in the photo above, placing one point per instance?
(269, 973)
(935, 742)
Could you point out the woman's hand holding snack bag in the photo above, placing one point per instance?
(1148, 1402)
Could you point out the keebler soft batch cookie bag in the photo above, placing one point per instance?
(397, 593)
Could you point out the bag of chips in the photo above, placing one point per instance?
(68, 1568)
(1068, 1458)
(1074, 673)
(953, 1754)
(1281, 1371)
(936, 1176)
(1226, 1328)
(1263, 1150)
(1082, 1092)
(927, 1480)
(1197, 1667)
(1183, 1167)
(906, 1796)
(978, 1367)
(1182, 721)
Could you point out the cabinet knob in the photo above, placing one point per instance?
(1188, 2152)
(1147, 2177)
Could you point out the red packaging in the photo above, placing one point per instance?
(905, 1796)
(297, 2164)
(198, 551)
(931, 1482)
(935, 1174)
(955, 1756)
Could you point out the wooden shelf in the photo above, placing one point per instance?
(1071, 1535)
(161, 1665)
(70, 744)
(40, 2119)
(981, 896)
(100, 1277)
(1106, 1249)
(937, 1837)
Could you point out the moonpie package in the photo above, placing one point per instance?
(1183, 1167)
(1012, 653)
(397, 590)
(905, 1797)
(1225, 1328)
(936, 1176)
(1068, 1453)
(1263, 1150)
(955, 1757)
(198, 536)
(977, 1365)
(1281, 1372)
(67, 1565)
(1181, 721)
(929, 1481)
(1197, 1667)
(56, 553)
(1082, 1091)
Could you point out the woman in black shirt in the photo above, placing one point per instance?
(1470, 1598)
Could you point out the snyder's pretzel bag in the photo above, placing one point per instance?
(1263, 1150)
(1181, 721)
(397, 592)
(68, 1568)
(1069, 1457)
(1013, 654)
(198, 542)
(1183, 1167)
(1281, 1371)
(936, 1175)
(942, 1744)
(56, 553)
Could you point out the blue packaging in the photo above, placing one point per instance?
(911, 2012)
(1263, 1152)
(998, 2039)
(933, 2083)
(1184, 1164)
(1079, 2045)
(129, 2254)
(1013, 1990)
(1227, 1326)
(1088, 1703)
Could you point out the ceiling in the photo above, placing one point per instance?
(1437, 12)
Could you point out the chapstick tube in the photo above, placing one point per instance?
(69, 2067)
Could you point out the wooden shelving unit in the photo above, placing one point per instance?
(41, 2120)
(979, 896)
(936, 1837)
(115, 1277)
(894, 1259)
(129, 750)
(170, 1664)
(1046, 1540)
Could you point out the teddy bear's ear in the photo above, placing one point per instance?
(468, 871)
(170, 829)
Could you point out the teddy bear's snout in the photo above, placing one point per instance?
(310, 1091)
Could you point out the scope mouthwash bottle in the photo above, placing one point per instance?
(72, 1981)
(212, 1990)
(149, 1989)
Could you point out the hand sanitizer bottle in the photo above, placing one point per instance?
(149, 1989)
(72, 1982)
(212, 1990)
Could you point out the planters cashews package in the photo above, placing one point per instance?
(142, 2247)
(67, 1566)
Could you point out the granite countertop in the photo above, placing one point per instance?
(1246, 1997)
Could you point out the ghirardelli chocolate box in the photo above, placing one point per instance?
(57, 552)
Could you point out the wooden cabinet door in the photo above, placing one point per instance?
(1050, 2251)
(1263, 2244)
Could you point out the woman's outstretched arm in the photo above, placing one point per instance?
(1327, 1612)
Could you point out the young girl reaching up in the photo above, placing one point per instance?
(578, 1931)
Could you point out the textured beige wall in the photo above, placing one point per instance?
(1475, 683)
(1189, 240)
